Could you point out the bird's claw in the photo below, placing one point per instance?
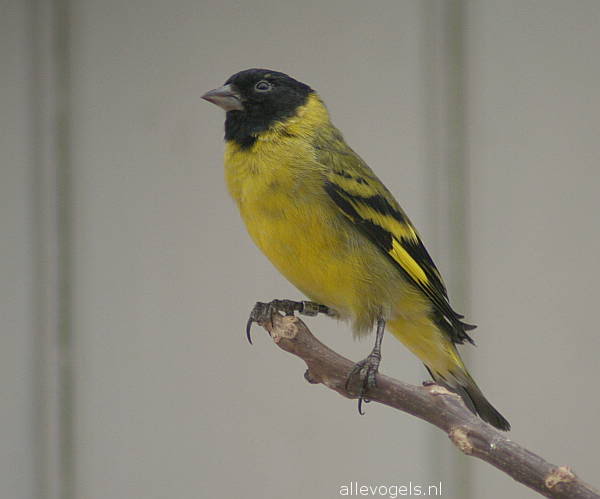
(262, 312)
(366, 371)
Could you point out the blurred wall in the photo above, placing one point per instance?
(534, 234)
(128, 275)
(17, 207)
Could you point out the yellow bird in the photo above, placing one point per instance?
(329, 225)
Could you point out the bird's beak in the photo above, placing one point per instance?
(225, 97)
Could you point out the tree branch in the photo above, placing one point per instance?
(435, 405)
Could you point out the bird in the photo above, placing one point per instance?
(331, 227)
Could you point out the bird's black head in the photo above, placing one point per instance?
(255, 99)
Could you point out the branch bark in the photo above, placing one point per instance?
(437, 406)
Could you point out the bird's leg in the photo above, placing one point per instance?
(367, 368)
(262, 312)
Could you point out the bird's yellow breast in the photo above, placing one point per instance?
(280, 207)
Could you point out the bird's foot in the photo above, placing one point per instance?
(262, 312)
(366, 371)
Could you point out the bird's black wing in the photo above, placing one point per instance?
(372, 209)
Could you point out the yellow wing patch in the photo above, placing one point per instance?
(408, 263)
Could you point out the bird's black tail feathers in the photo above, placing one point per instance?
(465, 386)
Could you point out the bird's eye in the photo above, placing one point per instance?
(263, 86)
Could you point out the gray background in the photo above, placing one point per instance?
(127, 275)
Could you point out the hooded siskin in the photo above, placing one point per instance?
(329, 225)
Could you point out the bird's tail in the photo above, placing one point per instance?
(463, 384)
(444, 364)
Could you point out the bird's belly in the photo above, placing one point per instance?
(326, 260)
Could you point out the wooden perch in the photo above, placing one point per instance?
(435, 405)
